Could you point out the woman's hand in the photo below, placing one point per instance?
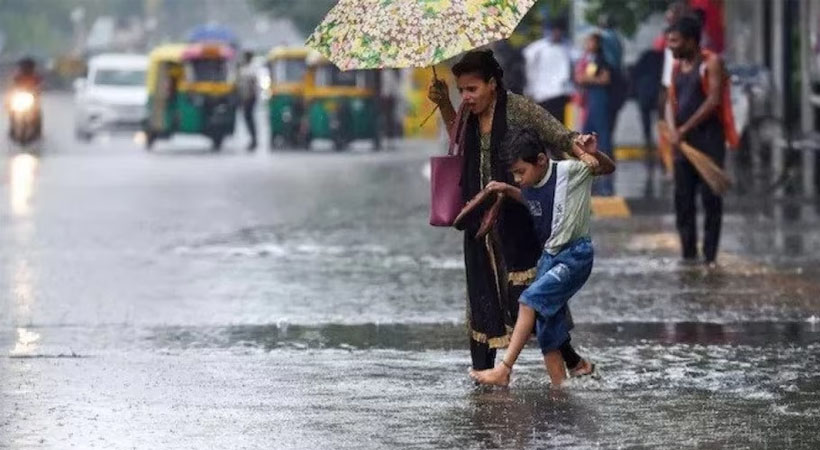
(588, 143)
(439, 93)
(586, 146)
(498, 187)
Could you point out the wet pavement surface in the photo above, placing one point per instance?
(185, 299)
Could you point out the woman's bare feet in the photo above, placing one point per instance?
(497, 376)
(583, 368)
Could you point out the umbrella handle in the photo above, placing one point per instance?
(435, 76)
(428, 116)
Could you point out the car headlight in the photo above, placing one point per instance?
(22, 101)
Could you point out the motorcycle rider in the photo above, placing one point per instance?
(26, 78)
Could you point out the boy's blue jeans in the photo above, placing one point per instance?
(558, 278)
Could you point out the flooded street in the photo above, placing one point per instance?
(189, 299)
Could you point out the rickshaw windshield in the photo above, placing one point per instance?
(288, 71)
(209, 69)
(330, 75)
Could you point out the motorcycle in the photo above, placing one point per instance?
(24, 116)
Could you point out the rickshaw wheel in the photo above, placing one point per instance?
(304, 143)
(150, 138)
(216, 143)
(276, 142)
(340, 145)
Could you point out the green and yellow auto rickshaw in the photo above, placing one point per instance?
(288, 68)
(191, 90)
(340, 106)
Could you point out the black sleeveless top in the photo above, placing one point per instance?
(707, 137)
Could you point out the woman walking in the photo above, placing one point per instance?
(594, 75)
(502, 264)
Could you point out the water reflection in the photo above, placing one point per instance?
(22, 181)
(22, 290)
(26, 344)
(530, 416)
(23, 171)
(450, 336)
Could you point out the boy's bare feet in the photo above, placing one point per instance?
(497, 376)
(583, 368)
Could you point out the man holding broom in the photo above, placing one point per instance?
(696, 119)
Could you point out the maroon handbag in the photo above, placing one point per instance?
(445, 178)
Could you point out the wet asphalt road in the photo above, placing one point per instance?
(185, 299)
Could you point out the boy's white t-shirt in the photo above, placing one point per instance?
(570, 203)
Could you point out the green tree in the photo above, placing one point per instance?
(531, 26)
(43, 27)
(625, 15)
(305, 14)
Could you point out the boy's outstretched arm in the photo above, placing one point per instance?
(588, 143)
(605, 164)
(506, 189)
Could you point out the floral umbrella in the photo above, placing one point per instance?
(371, 34)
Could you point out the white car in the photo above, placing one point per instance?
(113, 96)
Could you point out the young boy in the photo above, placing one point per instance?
(557, 194)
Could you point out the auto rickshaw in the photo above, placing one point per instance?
(191, 90)
(340, 106)
(288, 67)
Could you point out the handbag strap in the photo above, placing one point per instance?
(457, 132)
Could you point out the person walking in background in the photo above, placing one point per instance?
(694, 116)
(388, 101)
(594, 75)
(645, 75)
(248, 90)
(549, 70)
(612, 50)
(611, 46)
(511, 60)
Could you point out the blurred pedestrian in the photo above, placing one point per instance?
(549, 70)
(594, 75)
(645, 77)
(511, 60)
(390, 94)
(502, 264)
(694, 116)
(248, 91)
(611, 45)
(612, 49)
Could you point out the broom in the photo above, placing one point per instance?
(710, 172)
(664, 149)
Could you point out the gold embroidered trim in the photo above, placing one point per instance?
(491, 253)
(522, 278)
(493, 342)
